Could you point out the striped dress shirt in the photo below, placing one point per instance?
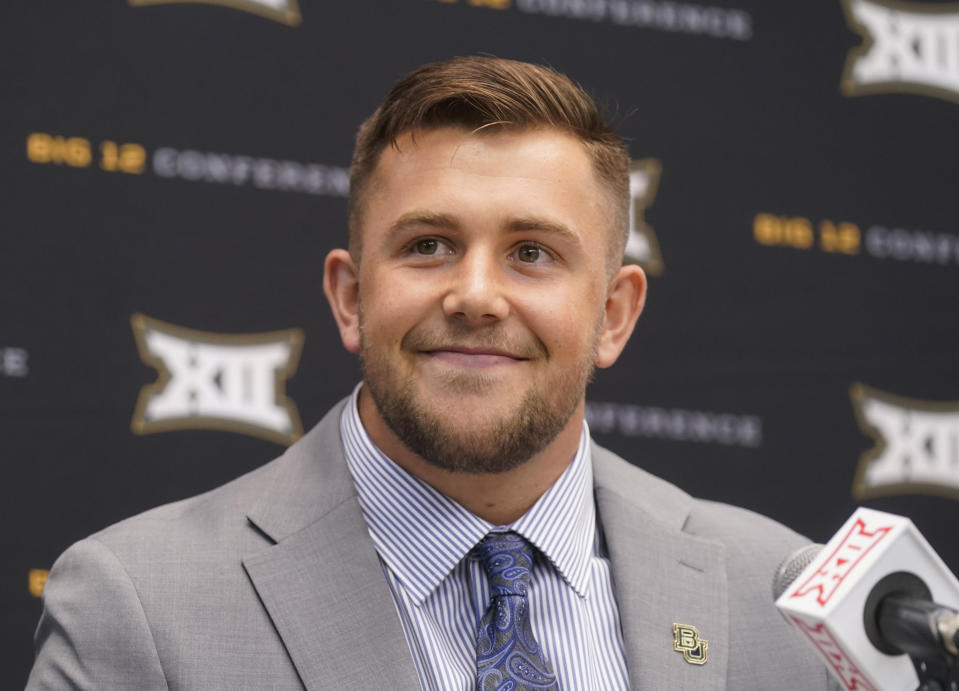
(441, 592)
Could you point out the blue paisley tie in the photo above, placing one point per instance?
(508, 658)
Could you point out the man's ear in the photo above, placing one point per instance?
(342, 287)
(624, 303)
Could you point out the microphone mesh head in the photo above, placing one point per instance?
(792, 566)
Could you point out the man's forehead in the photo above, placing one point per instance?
(539, 153)
(418, 219)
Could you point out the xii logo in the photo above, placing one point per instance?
(907, 47)
(917, 445)
(838, 566)
(641, 245)
(217, 381)
(284, 11)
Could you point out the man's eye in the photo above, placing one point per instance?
(427, 246)
(529, 254)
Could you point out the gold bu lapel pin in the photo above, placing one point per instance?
(686, 640)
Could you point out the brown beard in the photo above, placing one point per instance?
(503, 444)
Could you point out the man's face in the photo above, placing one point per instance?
(482, 287)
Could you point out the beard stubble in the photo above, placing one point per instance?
(496, 445)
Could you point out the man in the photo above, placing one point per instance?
(450, 525)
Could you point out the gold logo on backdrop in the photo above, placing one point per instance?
(217, 381)
(284, 11)
(641, 246)
(36, 579)
(917, 445)
(907, 47)
(686, 640)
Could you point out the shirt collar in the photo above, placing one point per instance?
(421, 534)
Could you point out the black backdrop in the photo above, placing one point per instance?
(185, 162)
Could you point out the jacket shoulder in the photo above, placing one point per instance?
(734, 526)
(288, 492)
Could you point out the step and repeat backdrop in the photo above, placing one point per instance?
(174, 173)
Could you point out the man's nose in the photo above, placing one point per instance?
(476, 290)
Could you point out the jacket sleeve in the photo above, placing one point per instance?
(93, 633)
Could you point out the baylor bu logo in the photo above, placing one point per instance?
(285, 11)
(686, 640)
(907, 47)
(917, 445)
(641, 246)
(217, 381)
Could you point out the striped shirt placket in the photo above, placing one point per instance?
(423, 539)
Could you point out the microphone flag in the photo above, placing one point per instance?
(827, 599)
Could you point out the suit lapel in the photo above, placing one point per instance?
(322, 582)
(662, 576)
(327, 596)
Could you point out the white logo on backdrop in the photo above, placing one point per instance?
(907, 47)
(917, 445)
(13, 362)
(285, 11)
(642, 247)
(217, 381)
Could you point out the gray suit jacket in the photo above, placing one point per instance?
(272, 582)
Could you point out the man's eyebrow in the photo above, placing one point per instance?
(415, 219)
(543, 225)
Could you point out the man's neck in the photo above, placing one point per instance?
(499, 498)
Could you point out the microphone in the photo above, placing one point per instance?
(867, 601)
(899, 617)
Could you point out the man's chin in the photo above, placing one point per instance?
(470, 398)
(474, 455)
(453, 383)
(462, 438)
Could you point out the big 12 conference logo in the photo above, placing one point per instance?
(285, 11)
(641, 245)
(217, 381)
(917, 445)
(907, 47)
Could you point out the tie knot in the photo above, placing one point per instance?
(508, 560)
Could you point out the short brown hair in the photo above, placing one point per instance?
(478, 92)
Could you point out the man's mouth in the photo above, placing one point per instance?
(464, 356)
